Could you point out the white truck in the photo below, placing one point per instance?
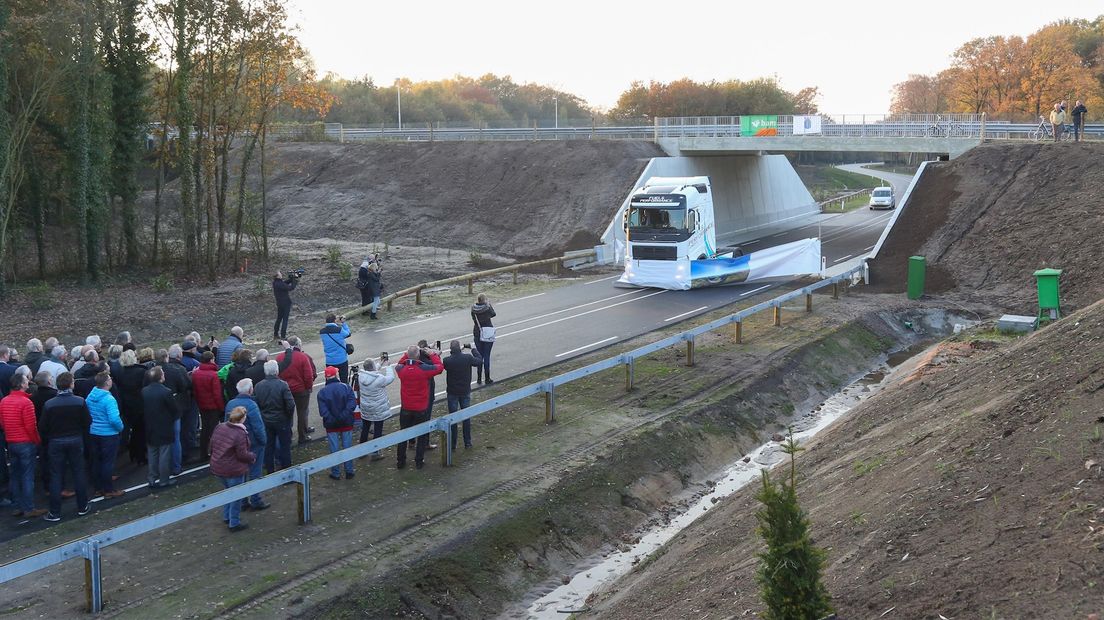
(669, 223)
(671, 239)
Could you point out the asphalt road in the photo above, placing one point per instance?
(545, 328)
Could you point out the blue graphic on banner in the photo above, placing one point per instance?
(719, 270)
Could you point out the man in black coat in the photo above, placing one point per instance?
(161, 415)
(282, 289)
(65, 421)
(179, 382)
(256, 372)
(458, 379)
(277, 407)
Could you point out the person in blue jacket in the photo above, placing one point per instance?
(333, 335)
(258, 440)
(104, 434)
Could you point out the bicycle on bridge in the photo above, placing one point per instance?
(1044, 132)
(952, 129)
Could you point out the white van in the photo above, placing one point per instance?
(882, 198)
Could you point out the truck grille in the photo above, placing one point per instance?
(654, 252)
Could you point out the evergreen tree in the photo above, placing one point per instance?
(80, 144)
(5, 133)
(184, 34)
(789, 573)
(126, 56)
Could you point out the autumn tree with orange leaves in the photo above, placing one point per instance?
(1014, 78)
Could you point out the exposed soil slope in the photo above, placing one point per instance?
(987, 220)
(520, 199)
(971, 489)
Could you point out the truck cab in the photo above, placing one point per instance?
(671, 218)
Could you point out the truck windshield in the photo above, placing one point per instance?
(657, 219)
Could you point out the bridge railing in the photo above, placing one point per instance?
(89, 548)
(832, 126)
(838, 126)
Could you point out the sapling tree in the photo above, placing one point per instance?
(790, 567)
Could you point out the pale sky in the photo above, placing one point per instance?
(855, 51)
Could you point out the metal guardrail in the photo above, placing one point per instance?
(90, 547)
(470, 278)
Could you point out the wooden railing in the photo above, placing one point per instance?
(470, 279)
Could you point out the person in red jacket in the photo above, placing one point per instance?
(298, 370)
(230, 461)
(207, 390)
(414, 393)
(17, 418)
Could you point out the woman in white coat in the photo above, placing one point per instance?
(374, 406)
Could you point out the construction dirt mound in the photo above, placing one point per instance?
(969, 489)
(987, 220)
(517, 199)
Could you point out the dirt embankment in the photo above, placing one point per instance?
(989, 219)
(634, 479)
(518, 199)
(972, 489)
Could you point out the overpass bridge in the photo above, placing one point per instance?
(945, 134)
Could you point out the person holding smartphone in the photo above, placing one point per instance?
(458, 374)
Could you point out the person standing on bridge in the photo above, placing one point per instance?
(1079, 111)
(1057, 121)
(484, 335)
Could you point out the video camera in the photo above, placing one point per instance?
(296, 273)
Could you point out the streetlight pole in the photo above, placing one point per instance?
(398, 97)
(556, 107)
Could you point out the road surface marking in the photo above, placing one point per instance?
(601, 280)
(842, 259)
(586, 346)
(503, 303)
(146, 484)
(868, 249)
(575, 316)
(405, 324)
(755, 290)
(679, 316)
(784, 232)
(591, 303)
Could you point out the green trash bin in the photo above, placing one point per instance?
(916, 267)
(1049, 304)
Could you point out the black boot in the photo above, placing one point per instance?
(372, 316)
(479, 376)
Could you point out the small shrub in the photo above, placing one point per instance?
(162, 283)
(333, 256)
(790, 568)
(41, 296)
(345, 271)
(475, 257)
(261, 285)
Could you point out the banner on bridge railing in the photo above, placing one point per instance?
(758, 125)
(806, 125)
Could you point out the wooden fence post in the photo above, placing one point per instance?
(808, 302)
(777, 316)
(739, 331)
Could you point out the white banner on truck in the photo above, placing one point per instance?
(806, 125)
(790, 259)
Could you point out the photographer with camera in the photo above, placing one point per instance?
(415, 393)
(458, 380)
(333, 335)
(282, 288)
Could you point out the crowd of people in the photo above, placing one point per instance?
(68, 416)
